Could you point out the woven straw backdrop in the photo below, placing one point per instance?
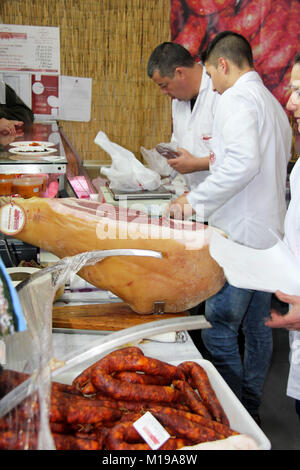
(109, 41)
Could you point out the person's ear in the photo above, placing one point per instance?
(179, 72)
(223, 65)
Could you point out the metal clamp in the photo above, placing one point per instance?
(159, 307)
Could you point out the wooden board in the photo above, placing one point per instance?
(105, 317)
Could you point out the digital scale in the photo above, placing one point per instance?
(160, 193)
(152, 202)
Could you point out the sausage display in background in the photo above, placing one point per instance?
(264, 23)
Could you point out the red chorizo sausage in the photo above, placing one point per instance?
(69, 442)
(81, 411)
(270, 33)
(10, 379)
(289, 44)
(146, 379)
(136, 363)
(220, 428)
(14, 440)
(177, 18)
(60, 387)
(60, 428)
(18, 440)
(124, 405)
(135, 392)
(186, 429)
(192, 34)
(123, 436)
(83, 378)
(247, 20)
(104, 382)
(192, 399)
(209, 7)
(15, 421)
(202, 384)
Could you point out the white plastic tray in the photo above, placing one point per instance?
(239, 418)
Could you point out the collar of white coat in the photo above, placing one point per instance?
(205, 80)
(251, 76)
(205, 83)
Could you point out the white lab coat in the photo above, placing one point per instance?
(292, 238)
(189, 126)
(245, 194)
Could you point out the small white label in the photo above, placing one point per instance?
(2, 352)
(12, 219)
(151, 431)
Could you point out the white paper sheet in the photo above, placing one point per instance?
(29, 48)
(75, 98)
(267, 270)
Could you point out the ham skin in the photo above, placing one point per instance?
(185, 275)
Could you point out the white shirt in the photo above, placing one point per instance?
(292, 238)
(245, 194)
(190, 125)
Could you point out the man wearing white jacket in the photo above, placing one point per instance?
(174, 70)
(245, 197)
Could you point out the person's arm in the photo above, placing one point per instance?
(8, 127)
(179, 209)
(188, 163)
(15, 108)
(291, 320)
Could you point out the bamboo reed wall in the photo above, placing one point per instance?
(109, 41)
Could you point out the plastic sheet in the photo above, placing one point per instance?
(25, 397)
(157, 161)
(26, 382)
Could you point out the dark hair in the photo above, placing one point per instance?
(167, 57)
(297, 58)
(230, 45)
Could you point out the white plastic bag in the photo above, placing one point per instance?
(156, 161)
(126, 172)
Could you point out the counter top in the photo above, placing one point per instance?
(52, 163)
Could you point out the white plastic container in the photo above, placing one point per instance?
(239, 418)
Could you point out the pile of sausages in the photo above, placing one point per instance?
(98, 410)
(265, 24)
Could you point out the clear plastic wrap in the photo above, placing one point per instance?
(28, 378)
(157, 162)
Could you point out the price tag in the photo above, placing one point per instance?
(12, 219)
(151, 431)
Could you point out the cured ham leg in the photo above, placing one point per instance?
(185, 276)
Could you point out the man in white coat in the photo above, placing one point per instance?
(174, 70)
(291, 320)
(245, 197)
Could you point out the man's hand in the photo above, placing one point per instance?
(8, 127)
(188, 163)
(290, 321)
(179, 209)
